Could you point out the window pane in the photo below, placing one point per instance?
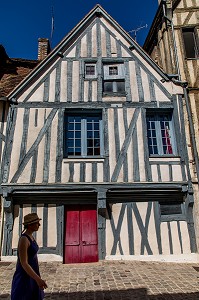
(113, 71)
(77, 134)
(108, 86)
(77, 151)
(97, 151)
(78, 143)
(120, 86)
(77, 126)
(89, 134)
(90, 70)
(70, 151)
(96, 134)
(170, 208)
(158, 133)
(96, 142)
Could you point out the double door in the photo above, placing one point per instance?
(81, 243)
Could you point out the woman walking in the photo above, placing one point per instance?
(27, 283)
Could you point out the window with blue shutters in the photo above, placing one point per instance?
(83, 135)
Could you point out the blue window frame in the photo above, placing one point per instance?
(160, 134)
(83, 135)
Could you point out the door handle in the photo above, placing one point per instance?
(84, 242)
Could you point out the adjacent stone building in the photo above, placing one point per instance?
(173, 43)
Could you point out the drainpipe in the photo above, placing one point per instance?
(184, 84)
(174, 40)
(2, 225)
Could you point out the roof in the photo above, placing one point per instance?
(13, 71)
(155, 25)
(97, 11)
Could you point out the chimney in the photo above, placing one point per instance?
(43, 48)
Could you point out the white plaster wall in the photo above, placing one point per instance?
(151, 234)
(63, 82)
(75, 81)
(115, 32)
(85, 91)
(141, 149)
(145, 83)
(52, 86)
(133, 82)
(52, 226)
(94, 41)
(83, 47)
(53, 149)
(111, 133)
(94, 91)
(16, 143)
(103, 41)
(38, 94)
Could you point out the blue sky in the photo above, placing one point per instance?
(23, 22)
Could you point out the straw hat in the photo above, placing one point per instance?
(31, 218)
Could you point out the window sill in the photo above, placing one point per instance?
(83, 159)
(163, 156)
(114, 94)
(173, 218)
(193, 58)
(90, 78)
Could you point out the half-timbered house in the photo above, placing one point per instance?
(95, 144)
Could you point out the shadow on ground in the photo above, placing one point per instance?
(130, 294)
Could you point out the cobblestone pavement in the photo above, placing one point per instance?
(113, 280)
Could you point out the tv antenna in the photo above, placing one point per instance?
(52, 23)
(136, 30)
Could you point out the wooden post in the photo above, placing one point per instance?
(101, 205)
(8, 227)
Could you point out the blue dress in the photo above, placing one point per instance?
(23, 286)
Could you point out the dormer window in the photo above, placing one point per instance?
(114, 80)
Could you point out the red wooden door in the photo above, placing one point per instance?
(81, 244)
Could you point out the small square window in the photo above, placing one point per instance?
(90, 70)
(113, 71)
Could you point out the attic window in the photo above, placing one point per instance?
(90, 70)
(113, 71)
(114, 79)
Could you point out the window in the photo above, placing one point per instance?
(190, 42)
(160, 134)
(83, 134)
(90, 70)
(172, 211)
(114, 83)
(113, 70)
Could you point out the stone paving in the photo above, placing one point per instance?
(113, 280)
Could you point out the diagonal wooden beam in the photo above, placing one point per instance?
(142, 229)
(117, 231)
(125, 146)
(32, 149)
